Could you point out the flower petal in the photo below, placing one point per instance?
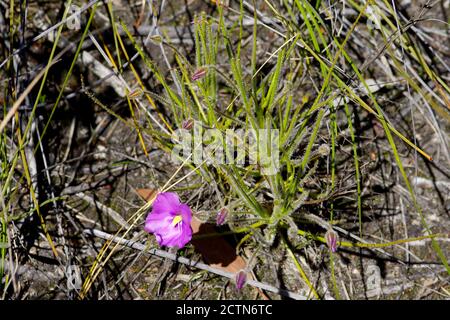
(166, 202)
(187, 232)
(169, 237)
(186, 213)
(157, 221)
(177, 236)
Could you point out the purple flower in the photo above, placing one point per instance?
(241, 279)
(170, 221)
(332, 240)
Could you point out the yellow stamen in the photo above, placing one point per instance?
(176, 220)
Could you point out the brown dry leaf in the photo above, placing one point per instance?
(146, 194)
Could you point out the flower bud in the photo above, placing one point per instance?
(241, 279)
(187, 124)
(221, 216)
(199, 74)
(332, 240)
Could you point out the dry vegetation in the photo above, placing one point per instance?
(358, 90)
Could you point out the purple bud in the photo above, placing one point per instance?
(198, 74)
(221, 216)
(187, 124)
(241, 279)
(332, 240)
